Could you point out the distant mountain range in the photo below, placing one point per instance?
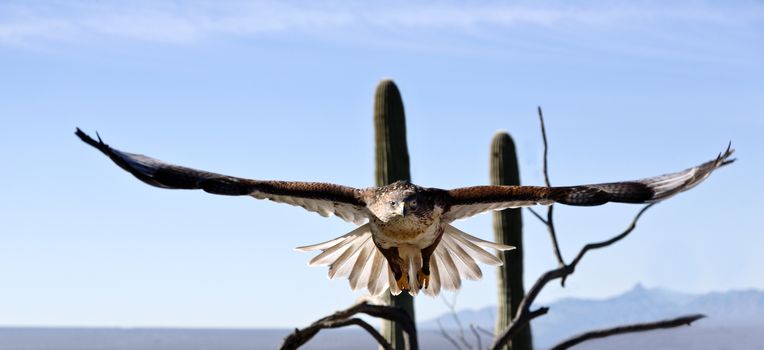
(734, 311)
(735, 321)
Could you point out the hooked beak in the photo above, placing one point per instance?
(401, 211)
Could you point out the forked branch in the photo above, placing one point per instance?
(549, 221)
(632, 328)
(346, 317)
(525, 314)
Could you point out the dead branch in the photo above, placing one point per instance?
(345, 317)
(484, 331)
(632, 328)
(462, 338)
(477, 336)
(448, 337)
(461, 342)
(546, 147)
(549, 222)
(608, 242)
(524, 314)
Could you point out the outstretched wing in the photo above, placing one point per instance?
(322, 198)
(468, 201)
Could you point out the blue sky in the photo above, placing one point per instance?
(283, 90)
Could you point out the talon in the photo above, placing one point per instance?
(423, 279)
(403, 282)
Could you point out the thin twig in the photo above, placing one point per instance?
(549, 222)
(452, 309)
(477, 336)
(553, 235)
(520, 321)
(598, 245)
(632, 328)
(343, 318)
(546, 148)
(484, 331)
(524, 314)
(363, 324)
(448, 337)
(608, 242)
(537, 215)
(397, 314)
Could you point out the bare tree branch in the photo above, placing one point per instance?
(484, 331)
(553, 236)
(461, 342)
(537, 215)
(448, 337)
(343, 318)
(363, 324)
(452, 310)
(524, 314)
(546, 147)
(608, 242)
(521, 320)
(549, 222)
(632, 328)
(477, 336)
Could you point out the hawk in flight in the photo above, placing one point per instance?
(405, 240)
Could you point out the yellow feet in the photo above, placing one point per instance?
(422, 279)
(403, 282)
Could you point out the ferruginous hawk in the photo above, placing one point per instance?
(405, 239)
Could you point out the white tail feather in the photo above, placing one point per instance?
(455, 257)
(342, 266)
(483, 243)
(464, 262)
(359, 271)
(377, 278)
(324, 245)
(449, 272)
(434, 288)
(478, 253)
(354, 255)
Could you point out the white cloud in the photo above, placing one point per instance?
(24, 23)
(150, 22)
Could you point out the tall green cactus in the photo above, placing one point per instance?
(392, 164)
(508, 229)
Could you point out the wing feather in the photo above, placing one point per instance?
(342, 266)
(333, 248)
(376, 283)
(465, 263)
(322, 198)
(449, 274)
(434, 288)
(477, 252)
(464, 202)
(359, 274)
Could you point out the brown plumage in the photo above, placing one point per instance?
(405, 239)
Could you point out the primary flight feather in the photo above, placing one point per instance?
(405, 240)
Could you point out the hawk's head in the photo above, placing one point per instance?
(400, 200)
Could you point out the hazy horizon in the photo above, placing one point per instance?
(731, 317)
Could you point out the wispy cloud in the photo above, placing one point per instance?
(33, 23)
(22, 23)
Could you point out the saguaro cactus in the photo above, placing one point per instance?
(392, 164)
(508, 229)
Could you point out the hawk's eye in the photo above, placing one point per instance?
(412, 203)
(392, 203)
